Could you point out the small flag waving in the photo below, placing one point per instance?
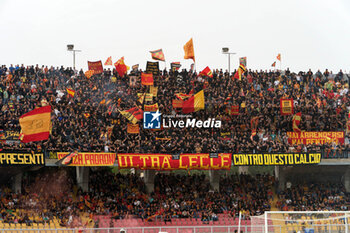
(70, 92)
(296, 122)
(194, 104)
(189, 50)
(175, 66)
(206, 72)
(35, 125)
(89, 73)
(240, 71)
(273, 64)
(109, 62)
(158, 55)
(278, 57)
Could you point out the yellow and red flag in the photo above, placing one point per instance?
(70, 92)
(133, 114)
(286, 107)
(158, 55)
(194, 104)
(296, 121)
(273, 64)
(35, 125)
(89, 73)
(240, 71)
(147, 79)
(278, 57)
(189, 50)
(206, 72)
(109, 62)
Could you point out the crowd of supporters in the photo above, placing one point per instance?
(51, 194)
(315, 197)
(82, 122)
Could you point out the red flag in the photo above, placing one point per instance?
(121, 67)
(273, 64)
(147, 79)
(96, 66)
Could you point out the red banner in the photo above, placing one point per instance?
(175, 162)
(286, 107)
(307, 138)
(96, 66)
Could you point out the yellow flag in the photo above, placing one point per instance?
(189, 50)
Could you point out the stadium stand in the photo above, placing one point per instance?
(51, 198)
(81, 123)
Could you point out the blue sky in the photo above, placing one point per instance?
(309, 34)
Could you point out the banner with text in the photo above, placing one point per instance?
(276, 159)
(212, 161)
(152, 68)
(286, 107)
(307, 138)
(96, 66)
(91, 159)
(9, 135)
(21, 158)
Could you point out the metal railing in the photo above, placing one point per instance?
(154, 229)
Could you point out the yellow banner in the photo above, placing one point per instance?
(276, 159)
(12, 159)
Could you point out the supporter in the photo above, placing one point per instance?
(81, 123)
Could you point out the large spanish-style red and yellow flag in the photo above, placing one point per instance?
(194, 104)
(35, 125)
(189, 50)
(158, 55)
(70, 92)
